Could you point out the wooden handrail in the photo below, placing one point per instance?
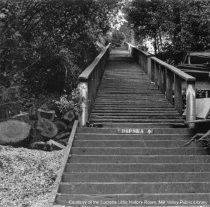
(85, 75)
(175, 70)
(89, 81)
(169, 80)
(144, 52)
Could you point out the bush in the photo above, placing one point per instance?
(46, 44)
(117, 38)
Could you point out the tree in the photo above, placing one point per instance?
(45, 42)
(147, 18)
(182, 23)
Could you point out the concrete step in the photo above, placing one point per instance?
(137, 167)
(139, 159)
(143, 125)
(131, 100)
(135, 116)
(154, 92)
(136, 177)
(164, 121)
(116, 130)
(130, 143)
(142, 199)
(165, 137)
(137, 151)
(131, 107)
(133, 113)
(134, 109)
(145, 99)
(137, 103)
(128, 96)
(134, 188)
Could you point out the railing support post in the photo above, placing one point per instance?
(169, 86)
(89, 81)
(149, 65)
(83, 88)
(162, 79)
(178, 93)
(190, 103)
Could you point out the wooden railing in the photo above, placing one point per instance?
(169, 80)
(89, 82)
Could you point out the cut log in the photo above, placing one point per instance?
(70, 116)
(46, 114)
(55, 145)
(62, 136)
(14, 132)
(64, 141)
(61, 126)
(48, 128)
(38, 145)
(23, 116)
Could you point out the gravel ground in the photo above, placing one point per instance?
(27, 176)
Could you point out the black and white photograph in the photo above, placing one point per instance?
(104, 103)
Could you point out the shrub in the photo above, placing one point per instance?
(45, 42)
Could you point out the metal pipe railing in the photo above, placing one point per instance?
(169, 80)
(89, 81)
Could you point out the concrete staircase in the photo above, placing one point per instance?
(137, 158)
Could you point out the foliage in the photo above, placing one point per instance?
(45, 45)
(45, 42)
(173, 25)
(68, 103)
(117, 37)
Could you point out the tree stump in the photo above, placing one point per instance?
(48, 128)
(14, 132)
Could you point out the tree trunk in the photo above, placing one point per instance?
(14, 132)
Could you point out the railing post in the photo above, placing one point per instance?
(89, 81)
(169, 86)
(139, 59)
(83, 88)
(178, 93)
(149, 64)
(159, 76)
(162, 79)
(190, 103)
(155, 73)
